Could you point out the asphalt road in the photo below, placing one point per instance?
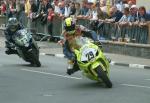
(20, 83)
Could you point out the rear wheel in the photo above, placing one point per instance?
(102, 75)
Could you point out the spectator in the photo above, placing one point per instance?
(115, 15)
(126, 17)
(33, 10)
(84, 8)
(56, 7)
(67, 9)
(43, 10)
(130, 3)
(27, 7)
(94, 12)
(3, 8)
(143, 16)
(134, 13)
(143, 19)
(123, 24)
(32, 15)
(61, 7)
(101, 15)
(72, 9)
(133, 1)
(78, 10)
(11, 9)
(89, 13)
(119, 5)
(27, 12)
(40, 3)
(103, 5)
(21, 12)
(50, 21)
(94, 17)
(124, 4)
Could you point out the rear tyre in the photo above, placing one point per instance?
(102, 75)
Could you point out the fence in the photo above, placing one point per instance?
(107, 31)
(112, 31)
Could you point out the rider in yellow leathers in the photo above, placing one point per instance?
(71, 31)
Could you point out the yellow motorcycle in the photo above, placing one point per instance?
(91, 60)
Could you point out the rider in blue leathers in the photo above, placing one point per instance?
(12, 27)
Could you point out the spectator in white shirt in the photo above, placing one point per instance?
(56, 7)
(67, 9)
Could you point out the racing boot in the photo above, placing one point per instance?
(72, 67)
(11, 51)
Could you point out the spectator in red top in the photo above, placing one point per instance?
(50, 21)
(3, 8)
(11, 8)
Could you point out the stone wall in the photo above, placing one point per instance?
(131, 49)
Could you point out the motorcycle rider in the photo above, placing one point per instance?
(71, 31)
(12, 27)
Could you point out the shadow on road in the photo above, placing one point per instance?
(89, 85)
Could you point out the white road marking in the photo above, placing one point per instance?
(112, 63)
(58, 75)
(47, 95)
(139, 86)
(136, 66)
(42, 53)
(59, 55)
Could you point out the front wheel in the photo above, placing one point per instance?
(35, 60)
(102, 75)
(34, 54)
(37, 64)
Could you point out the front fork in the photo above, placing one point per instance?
(94, 67)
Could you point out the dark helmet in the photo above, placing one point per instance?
(13, 24)
(69, 25)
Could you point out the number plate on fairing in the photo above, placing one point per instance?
(88, 54)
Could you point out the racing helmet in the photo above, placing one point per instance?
(69, 26)
(13, 24)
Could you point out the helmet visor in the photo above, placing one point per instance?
(13, 28)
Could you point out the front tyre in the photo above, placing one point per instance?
(34, 54)
(102, 75)
(35, 60)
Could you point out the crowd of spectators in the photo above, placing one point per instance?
(122, 12)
